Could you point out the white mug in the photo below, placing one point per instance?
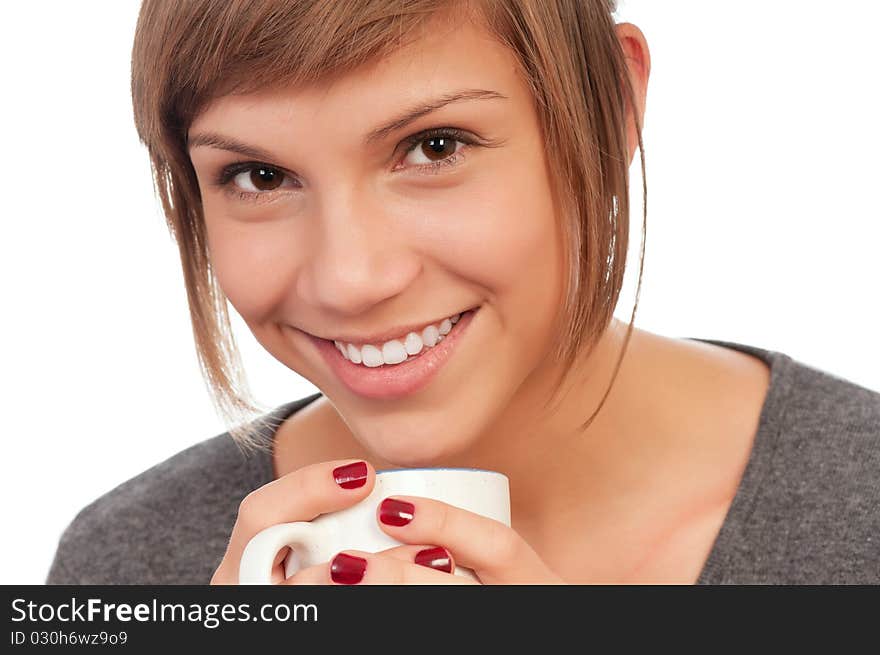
(356, 528)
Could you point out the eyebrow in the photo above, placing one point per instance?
(426, 107)
(214, 140)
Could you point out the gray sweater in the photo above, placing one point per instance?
(807, 510)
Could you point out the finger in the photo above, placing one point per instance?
(496, 552)
(310, 575)
(435, 557)
(359, 567)
(298, 496)
(277, 569)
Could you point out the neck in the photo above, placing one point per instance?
(543, 447)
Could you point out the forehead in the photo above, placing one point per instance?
(445, 55)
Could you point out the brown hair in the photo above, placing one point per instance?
(186, 54)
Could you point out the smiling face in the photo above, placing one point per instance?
(331, 234)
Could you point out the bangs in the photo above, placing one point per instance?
(242, 47)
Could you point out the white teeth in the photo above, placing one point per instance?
(372, 356)
(413, 344)
(395, 352)
(429, 335)
(354, 354)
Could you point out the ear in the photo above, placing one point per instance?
(638, 63)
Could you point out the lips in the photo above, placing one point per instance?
(391, 381)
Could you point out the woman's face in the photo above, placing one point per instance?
(344, 238)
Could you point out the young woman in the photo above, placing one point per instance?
(422, 207)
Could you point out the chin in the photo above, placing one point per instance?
(410, 455)
(420, 450)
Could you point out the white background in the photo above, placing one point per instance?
(761, 145)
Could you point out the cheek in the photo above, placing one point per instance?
(253, 262)
(501, 232)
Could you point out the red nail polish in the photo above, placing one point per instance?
(436, 558)
(351, 476)
(396, 512)
(347, 569)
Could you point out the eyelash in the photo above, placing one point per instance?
(228, 174)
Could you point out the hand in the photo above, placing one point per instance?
(298, 496)
(496, 553)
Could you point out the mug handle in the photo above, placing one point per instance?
(258, 555)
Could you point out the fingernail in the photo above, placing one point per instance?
(347, 569)
(396, 512)
(351, 476)
(435, 558)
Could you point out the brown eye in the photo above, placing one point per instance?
(265, 179)
(438, 147)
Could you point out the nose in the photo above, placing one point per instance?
(359, 259)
